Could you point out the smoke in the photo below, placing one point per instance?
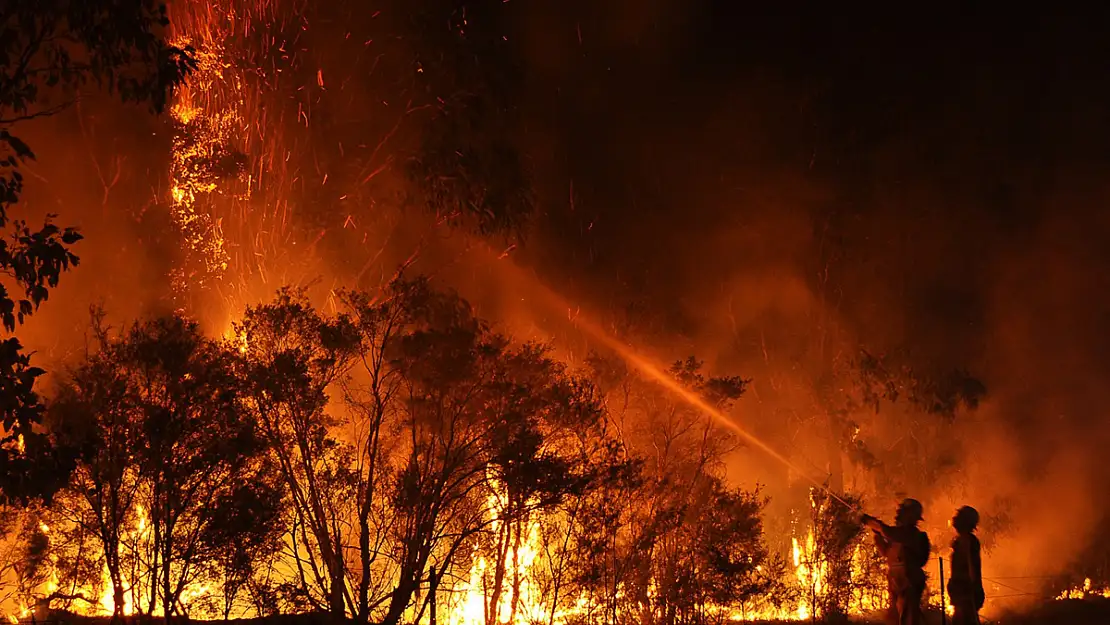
(770, 212)
(767, 193)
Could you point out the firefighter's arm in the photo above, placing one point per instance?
(881, 543)
(881, 529)
(872, 523)
(878, 527)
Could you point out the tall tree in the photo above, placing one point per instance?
(440, 417)
(682, 540)
(480, 419)
(292, 355)
(576, 540)
(49, 51)
(888, 392)
(93, 415)
(169, 458)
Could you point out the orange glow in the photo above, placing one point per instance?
(235, 228)
(1085, 590)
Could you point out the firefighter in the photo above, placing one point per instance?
(906, 550)
(965, 586)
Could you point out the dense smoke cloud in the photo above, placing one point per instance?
(930, 187)
(763, 191)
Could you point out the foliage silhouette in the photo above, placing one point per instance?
(49, 51)
(679, 544)
(171, 478)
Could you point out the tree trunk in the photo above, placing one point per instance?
(117, 591)
(363, 615)
(365, 509)
(154, 568)
(417, 553)
(493, 607)
(112, 563)
(514, 601)
(397, 603)
(434, 582)
(167, 586)
(335, 601)
(834, 428)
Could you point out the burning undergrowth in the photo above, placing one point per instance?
(401, 461)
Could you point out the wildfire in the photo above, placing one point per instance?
(518, 604)
(200, 148)
(809, 573)
(228, 183)
(222, 149)
(810, 576)
(1086, 590)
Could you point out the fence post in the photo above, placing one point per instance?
(943, 608)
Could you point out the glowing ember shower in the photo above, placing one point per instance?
(228, 178)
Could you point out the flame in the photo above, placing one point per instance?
(475, 593)
(809, 575)
(1085, 591)
(231, 172)
(197, 147)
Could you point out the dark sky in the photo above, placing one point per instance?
(931, 144)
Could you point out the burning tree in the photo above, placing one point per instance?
(715, 563)
(572, 569)
(838, 571)
(448, 440)
(482, 422)
(48, 51)
(310, 128)
(291, 356)
(872, 394)
(169, 466)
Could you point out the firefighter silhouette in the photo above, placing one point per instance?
(965, 586)
(906, 550)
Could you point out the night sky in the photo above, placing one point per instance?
(935, 140)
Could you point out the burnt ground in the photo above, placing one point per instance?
(1085, 612)
(1079, 612)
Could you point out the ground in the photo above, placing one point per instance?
(1092, 612)
(1054, 613)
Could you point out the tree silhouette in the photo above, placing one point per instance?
(467, 167)
(887, 392)
(676, 542)
(170, 475)
(49, 51)
(291, 356)
(481, 422)
(231, 464)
